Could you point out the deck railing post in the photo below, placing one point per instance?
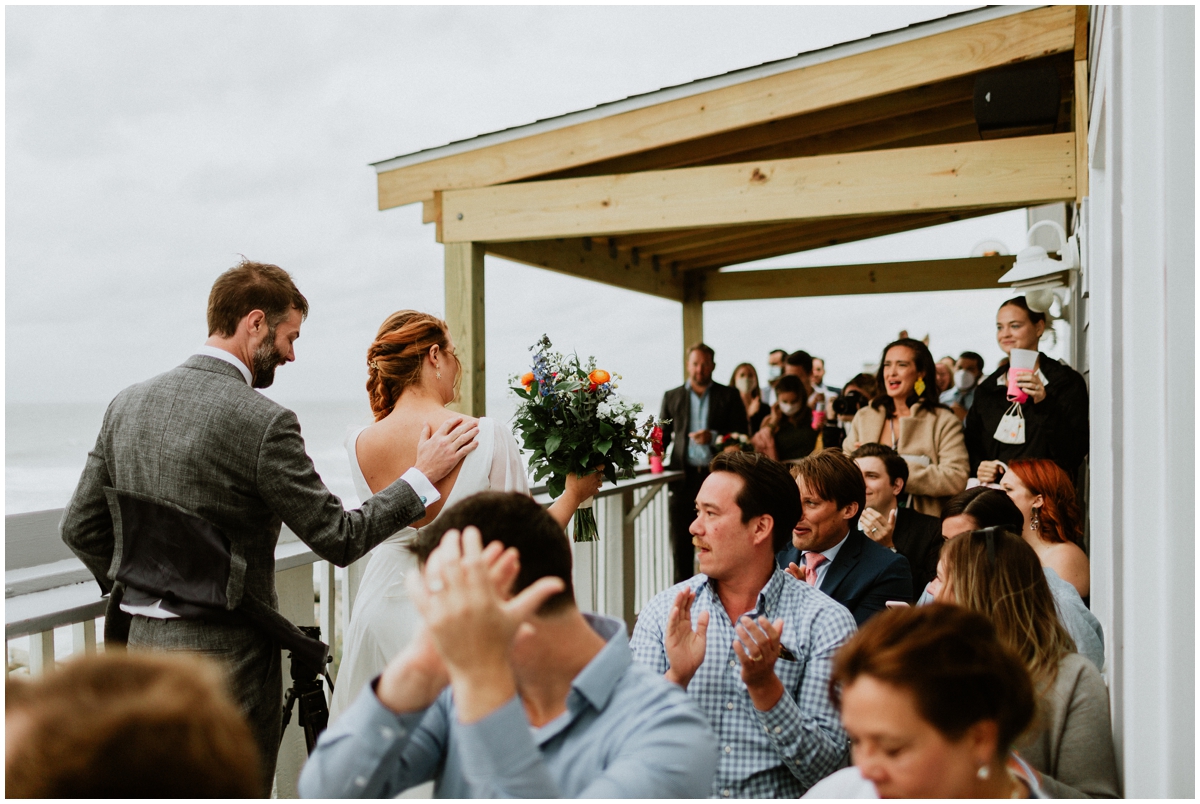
(41, 653)
(294, 588)
(83, 637)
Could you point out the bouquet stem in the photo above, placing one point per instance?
(585, 529)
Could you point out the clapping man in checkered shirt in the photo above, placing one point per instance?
(752, 646)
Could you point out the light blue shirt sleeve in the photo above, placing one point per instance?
(371, 752)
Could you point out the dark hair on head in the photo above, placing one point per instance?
(1019, 301)
(988, 507)
(700, 346)
(791, 384)
(130, 725)
(978, 358)
(995, 572)
(1059, 514)
(801, 359)
(756, 391)
(866, 382)
(396, 356)
(514, 520)
(830, 475)
(783, 352)
(250, 286)
(951, 661)
(767, 489)
(896, 467)
(926, 370)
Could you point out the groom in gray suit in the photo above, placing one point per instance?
(199, 444)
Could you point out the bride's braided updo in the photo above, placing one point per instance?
(395, 357)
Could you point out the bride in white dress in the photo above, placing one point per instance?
(412, 376)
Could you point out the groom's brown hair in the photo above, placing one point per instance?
(515, 520)
(250, 286)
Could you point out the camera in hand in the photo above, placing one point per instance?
(850, 403)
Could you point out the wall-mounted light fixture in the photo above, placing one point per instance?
(1036, 274)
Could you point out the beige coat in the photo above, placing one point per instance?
(936, 435)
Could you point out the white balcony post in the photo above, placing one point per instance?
(83, 637)
(41, 653)
(295, 590)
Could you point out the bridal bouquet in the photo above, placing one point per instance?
(573, 420)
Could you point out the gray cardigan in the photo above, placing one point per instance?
(1071, 741)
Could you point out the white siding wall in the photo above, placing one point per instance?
(1140, 278)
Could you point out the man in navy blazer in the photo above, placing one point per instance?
(829, 552)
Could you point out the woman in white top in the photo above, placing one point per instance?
(412, 376)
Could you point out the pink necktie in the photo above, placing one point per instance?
(811, 562)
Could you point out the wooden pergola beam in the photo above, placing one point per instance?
(572, 258)
(927, 60)
(844, 280)
(1018, 171)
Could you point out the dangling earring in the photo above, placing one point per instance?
(1035, 523)
(439, 375)
(984, 772)
(919, 386)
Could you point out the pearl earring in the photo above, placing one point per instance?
(984, 772)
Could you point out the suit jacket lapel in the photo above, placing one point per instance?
(843, 562)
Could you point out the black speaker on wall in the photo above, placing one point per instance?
(1023, 100)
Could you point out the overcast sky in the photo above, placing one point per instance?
(148, 147)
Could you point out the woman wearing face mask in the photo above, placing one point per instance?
(995, 573)
(907, 416)
(745, 379)
(1054, 412)
(932, 702)
(787, 433)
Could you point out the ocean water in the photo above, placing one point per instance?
(46, 446)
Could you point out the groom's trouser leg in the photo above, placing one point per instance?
(253, 665)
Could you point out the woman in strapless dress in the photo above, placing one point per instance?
(412, 376)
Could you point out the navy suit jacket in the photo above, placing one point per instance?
(863, 575)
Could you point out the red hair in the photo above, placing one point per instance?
(395, 357)
(1059, 514)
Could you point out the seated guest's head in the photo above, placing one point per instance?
(800, 363)
(945, 374)
(790, 394)
(1045, 495)
(884, 472)
(124, 725)
(977, 508)
(514, 520)
(933, 702)
(832, 495)
(996, 573)
(745, 511)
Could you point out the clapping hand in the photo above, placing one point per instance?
(758, 647)
(796, 572)
(878, 528)
(685, 646)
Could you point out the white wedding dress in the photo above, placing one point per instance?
(383, 619)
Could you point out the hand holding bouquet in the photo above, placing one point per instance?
(575, 423)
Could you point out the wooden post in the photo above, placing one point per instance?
(693, 312)
(464, 314)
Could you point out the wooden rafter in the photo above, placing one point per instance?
(1006, 172)
(843, 280)
(570, 257)
(928, 60)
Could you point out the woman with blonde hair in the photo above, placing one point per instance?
(994, 572)
(412, 375)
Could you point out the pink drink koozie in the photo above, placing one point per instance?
(1015, 394)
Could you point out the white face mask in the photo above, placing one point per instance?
(964, 380)
(744, 384)
(775, 372)
(789, 408)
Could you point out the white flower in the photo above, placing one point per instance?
(620, 419)
(604, 409)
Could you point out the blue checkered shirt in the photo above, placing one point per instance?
(782, 752)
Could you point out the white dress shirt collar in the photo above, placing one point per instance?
(221, 354)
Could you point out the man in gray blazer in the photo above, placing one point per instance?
(199, 439)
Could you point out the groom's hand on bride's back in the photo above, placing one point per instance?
(438, 453)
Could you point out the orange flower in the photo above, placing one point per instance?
(599, 376)
(527, 379)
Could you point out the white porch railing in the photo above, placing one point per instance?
(53, 604)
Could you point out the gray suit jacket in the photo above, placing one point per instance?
(200, 438)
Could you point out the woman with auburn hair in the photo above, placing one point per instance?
(907, 416)
(412, 375)
(995, 573)
(933, 703)
(1046, 498)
